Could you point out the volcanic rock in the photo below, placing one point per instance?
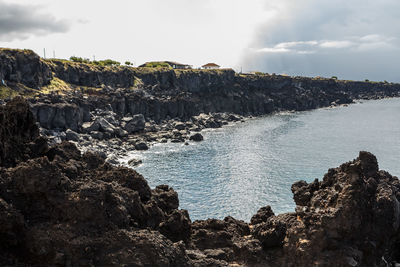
(59, 207)
(136, 124)
(141, 146)
(196, 137)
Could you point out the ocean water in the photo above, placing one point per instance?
(240, 168)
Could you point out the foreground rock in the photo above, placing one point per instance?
(61, 208)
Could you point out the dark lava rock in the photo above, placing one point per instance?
(19, 134)
(136, 124)
(71, 135)
(180, 126)
(141, 146)
(178, 140)
(196, 137)
(134, 162)
(262, 215)
(58, 115)
(349, 218)
(63, 208)
(59, 207)
(24, 66)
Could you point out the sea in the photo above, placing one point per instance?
(242, 167)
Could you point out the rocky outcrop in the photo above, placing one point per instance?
(90, 75)
(350, 218)
(23, 66)
(61, 207)
(19, 134)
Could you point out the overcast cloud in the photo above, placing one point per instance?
(356, 39)
(22, 21)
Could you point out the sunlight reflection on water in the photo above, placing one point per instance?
(238, 169)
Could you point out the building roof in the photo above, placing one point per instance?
(210, 65)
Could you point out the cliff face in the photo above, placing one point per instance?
(160, 94)
(59, 207)
(25, 67)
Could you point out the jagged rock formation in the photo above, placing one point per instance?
(59, 207)
(62, 208)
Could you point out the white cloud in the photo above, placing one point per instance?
(350, 39)
(23, 21)
(274, 50)
(354, 39)
(189, 31)
(336, 44)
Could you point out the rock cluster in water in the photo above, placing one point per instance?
(59, 207)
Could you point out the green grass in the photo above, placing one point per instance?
(137, 82)
(56, 85)
(6, 92)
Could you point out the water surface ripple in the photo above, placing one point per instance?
(240, 168)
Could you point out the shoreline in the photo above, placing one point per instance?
(62, 207)
(125, 159)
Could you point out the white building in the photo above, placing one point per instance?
(210, 66)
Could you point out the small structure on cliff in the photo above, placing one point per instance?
(171, 64)
(210, 66)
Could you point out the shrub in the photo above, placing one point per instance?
(79, 59)
(109, 62)
(334, 77)
(106, 62)
(157, 65)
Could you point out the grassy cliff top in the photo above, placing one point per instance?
(14, 66)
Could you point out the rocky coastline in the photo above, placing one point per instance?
(61, 207)
(114, 110)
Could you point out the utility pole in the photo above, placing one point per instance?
(44, 52)
(54, 53)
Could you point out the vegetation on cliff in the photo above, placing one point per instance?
(157, 64)
(57, 75)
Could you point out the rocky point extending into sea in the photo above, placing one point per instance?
(62, 206)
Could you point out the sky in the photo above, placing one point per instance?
(357, 39)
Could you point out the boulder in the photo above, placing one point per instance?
(121, 132)
(88, 127)
(136, 124)
(134, 162)
(71, 135)
(141, 146)
(105, 126)
(196, 137)
(179, 126)
(97, 135)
